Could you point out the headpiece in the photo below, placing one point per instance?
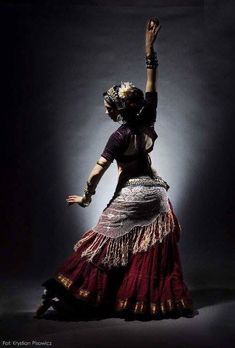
(119, 94)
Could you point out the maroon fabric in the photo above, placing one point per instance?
(154, 276)
(85, 275)
(151, 282)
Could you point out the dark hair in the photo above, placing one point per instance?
(134, 104)
(128, 106)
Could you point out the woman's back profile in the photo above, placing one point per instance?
(129, 261)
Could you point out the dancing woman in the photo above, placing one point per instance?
(129, 262)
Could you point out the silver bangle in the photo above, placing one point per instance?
(151, 60)
(87, 189)
(84, 205)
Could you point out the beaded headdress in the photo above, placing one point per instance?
(119, 94)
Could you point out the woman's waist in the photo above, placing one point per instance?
(145, 180)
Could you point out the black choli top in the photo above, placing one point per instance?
(129, 141)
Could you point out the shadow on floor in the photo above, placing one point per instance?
(201, 298)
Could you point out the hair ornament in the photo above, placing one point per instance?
(125, 90)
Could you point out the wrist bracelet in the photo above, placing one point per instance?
(83, 204)
(151, 60)
(87, 189)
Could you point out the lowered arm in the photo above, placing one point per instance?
(95, 175)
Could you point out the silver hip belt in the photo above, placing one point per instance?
(147, 181)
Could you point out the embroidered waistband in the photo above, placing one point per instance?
(147, 181)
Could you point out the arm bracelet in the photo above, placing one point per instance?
(104, 165)
(151, 60)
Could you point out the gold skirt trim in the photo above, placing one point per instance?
(83, 294)
(138, 307)
(141, 307)
(64, 280)
(88, 296)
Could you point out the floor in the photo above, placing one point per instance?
(214, 326)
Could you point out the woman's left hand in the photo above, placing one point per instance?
(75, 199)
(152, 28)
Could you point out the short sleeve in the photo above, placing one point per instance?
(115, 146)
(151, 99)
(149, 113)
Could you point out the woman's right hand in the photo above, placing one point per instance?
(81, 200)
(152, 29)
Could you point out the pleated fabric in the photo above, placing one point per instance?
(150, 282)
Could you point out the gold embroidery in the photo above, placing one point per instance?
(163, 308)
(122, 304)
(154, 308)
(83, 293)
(183, 304)
(170, 305)
(64, 280)
(139, 307)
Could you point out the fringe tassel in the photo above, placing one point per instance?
(140, 238)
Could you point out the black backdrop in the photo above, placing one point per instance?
(56, 60)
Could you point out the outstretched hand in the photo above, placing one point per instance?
(152, 29)
(74, 199)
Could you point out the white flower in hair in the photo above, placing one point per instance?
(125, 90)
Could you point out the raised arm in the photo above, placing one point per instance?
(152, 28)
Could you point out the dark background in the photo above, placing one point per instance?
(57, 58)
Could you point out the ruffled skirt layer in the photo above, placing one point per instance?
(151, 282)
(129, 261)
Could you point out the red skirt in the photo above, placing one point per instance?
(150, 283)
